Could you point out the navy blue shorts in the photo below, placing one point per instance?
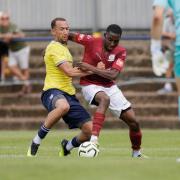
(76, 115)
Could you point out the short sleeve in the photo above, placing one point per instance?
(120, 60)
(58, 55)
(83, 39)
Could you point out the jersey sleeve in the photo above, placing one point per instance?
(58, 55)
(120, 60)
(83, 39)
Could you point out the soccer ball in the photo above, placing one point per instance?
(88, 149)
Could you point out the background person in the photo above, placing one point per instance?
(168, 38)
(156, 32)
(3, 55)
(18, 52)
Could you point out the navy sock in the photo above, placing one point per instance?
(75, 142)
(43, 132)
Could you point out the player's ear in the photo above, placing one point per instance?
(52, 32)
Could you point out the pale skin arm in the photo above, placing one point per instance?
(7, 37)
(157, 23)
(169, 35)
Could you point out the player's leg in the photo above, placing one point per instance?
(23, 63)
(57, 107)
(168, 86)
(3, 59)
(77, 117)
(121, 108)
(128, 116)
(75, 142)
(96, 95)
(13, 66)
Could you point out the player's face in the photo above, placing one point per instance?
(5, 20)
(61, 31)
(111, 40)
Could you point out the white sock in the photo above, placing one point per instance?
(37, 139)
(94, 138)
(136, 153)
(69, 146)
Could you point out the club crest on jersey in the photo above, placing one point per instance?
(119, 62)
(111, 57)
(81, 36)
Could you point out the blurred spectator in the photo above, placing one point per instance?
(156, 32)
(18, 52)
(3, 56)
(168, 37)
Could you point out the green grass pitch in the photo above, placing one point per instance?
(113, 163)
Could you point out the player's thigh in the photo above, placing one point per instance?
(90, 91)
(54, 98)
(23, 58)
(118, 102)
(77, 114)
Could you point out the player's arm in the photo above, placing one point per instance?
(72, 36)
(169, 35)
(71, 71)
(82, 39)
(109, 74)
(157, 22)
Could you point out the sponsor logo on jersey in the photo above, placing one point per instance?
(111, 57)
(119, 62)
(80, 37)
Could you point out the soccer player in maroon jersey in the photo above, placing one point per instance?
(100, 89)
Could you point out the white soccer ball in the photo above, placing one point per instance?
(88, 149)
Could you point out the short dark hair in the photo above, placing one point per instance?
(114, 28)
(53, 22)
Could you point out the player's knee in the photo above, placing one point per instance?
(134, 125)
(63, 108)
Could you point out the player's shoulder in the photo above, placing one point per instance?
(120, 48)
(53, 45)
(85, 37)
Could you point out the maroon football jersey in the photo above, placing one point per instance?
(94, 53)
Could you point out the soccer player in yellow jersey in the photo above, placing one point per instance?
(58, 95)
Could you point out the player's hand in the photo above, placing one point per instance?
(84, 66)
(101, 65)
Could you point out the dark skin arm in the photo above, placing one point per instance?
(109, 74)
(72, 36)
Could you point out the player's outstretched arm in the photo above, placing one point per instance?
(72, 36)
(109, 74)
